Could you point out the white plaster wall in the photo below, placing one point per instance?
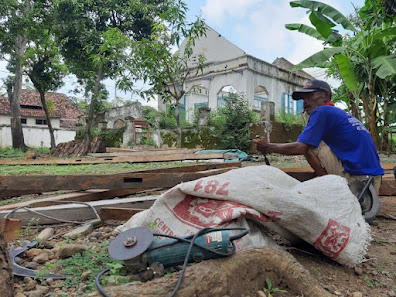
(30, 121)
(35, 136)
(210, 46)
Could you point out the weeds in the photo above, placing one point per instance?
(269, 290)
(94, 260)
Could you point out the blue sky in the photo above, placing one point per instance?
(256, 26)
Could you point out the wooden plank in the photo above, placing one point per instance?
(143, 153)
(388, 185)
(86, 196)
(191, 168)
(118, 213)
(119, 150)
(78, 212)
(388, 166)
(131, 159)
(45, 183)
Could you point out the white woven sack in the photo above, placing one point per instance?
(321, 211)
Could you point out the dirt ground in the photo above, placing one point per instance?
(374, 278)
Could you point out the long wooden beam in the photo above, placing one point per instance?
(131, 159)
(143, 153)
(77, 212)
(44, 183)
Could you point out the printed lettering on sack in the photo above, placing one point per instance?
(201, 212)
(333, 239)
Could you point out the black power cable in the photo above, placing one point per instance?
(191, 244)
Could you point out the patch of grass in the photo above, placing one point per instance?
(109, 168)
(269, 290)
(95, 259)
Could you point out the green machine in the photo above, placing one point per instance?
(139, 248)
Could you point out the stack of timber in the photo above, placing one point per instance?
(75, 148)
(137, 181)
(128, 157)
(117, 185)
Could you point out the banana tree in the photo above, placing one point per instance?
(361, 58)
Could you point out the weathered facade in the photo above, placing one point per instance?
(34, 124)
(228, 69)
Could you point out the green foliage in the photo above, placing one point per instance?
(145, 141)
(113, 137)
(290, 119)
(232, 124)
(269, 290)
(95, 259)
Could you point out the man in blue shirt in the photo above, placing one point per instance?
(333, 141)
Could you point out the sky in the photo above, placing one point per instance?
(255, 26)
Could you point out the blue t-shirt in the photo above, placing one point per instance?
(347, 137)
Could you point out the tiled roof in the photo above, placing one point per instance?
(31, 106)
(284, 64)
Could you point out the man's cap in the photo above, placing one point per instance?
(312, 86)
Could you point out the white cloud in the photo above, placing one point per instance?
(215, 11)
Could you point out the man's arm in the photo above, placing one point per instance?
(293, 148)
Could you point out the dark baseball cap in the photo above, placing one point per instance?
(312, 86)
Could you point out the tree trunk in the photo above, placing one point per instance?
(6, 276)
(177, 112)
(15, 99)
(47, 116)
(91, 113)
(385, 135)
(371, 118)
(354, 109)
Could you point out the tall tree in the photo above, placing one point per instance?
(15, 27)
(82, 25)
(154, 62)
(6, 276)
(361, 59)
(43, 63)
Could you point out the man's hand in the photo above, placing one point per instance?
(262, 145)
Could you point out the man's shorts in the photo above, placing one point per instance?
(333, 165)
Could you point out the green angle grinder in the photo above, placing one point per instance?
(139, 248)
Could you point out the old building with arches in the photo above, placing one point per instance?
(228, 69)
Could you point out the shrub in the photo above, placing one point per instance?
(232, 123)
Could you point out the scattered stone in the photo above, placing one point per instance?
(17, 260)
(41, 259)
(27, 279)
(85, 275)
(49, 281)
(33, 253)
(45, 234)
(68, 250)
(31, 265)
(19, 295)
(374, 272)
(357, 294)
(97, 234)
(43, 289)
(24, 243)
(358, 271)
(35, 293)
(49, 244)
(261, 294)
(329, 288)
(31, 285)
(52, 294)
(391, 293)
(93, 239)
(79, 232)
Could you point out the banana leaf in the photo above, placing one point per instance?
(347, 72)
(306, 30)
(327, 10)
(321, 23)
(385, 65)
(319, 58)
